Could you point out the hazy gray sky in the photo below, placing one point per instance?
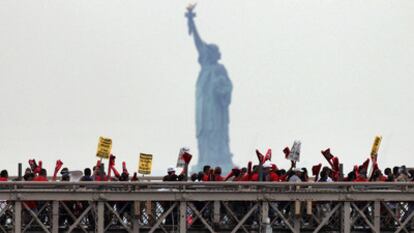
(329, 73)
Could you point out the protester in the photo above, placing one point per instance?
(295, 175)
(42, 176)
(171, 176)
(86, 175)
(217, 174)
(4, 175)
(65, 176)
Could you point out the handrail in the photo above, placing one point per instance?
(17, 185)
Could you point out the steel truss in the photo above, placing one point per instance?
(182, 207)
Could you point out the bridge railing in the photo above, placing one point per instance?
(206, 207)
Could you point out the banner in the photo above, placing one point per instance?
(180, 160)
(375, 147)
(145, 164)
(294, 154)
(104, 148)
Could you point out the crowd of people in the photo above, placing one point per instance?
(264, 170)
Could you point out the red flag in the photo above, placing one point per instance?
(187, 157)
(57, 168)
(268, 155)
(328, 156)
(316, 169)
(365, 165)
(38, 168)
(124, 168)
(260, 156)
(32, 163)
(335, 163)
(116, 173)
(286, 151)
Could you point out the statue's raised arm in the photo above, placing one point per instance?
(192, 30)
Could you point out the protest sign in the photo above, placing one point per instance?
(104, 148)
(180, 160)
(294, 154)
(375, 148)
(145, 164)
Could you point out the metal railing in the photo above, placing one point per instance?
(206, 207)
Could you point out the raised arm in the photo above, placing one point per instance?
(192, 30)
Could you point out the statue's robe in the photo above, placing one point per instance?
(213, 97)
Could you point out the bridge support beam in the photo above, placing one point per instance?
(183, 217)
(18, 217)
(101, 221)
(346, 217)
(55, 217)
(377, 216)
(216, 212)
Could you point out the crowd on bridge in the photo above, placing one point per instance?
(263, 170)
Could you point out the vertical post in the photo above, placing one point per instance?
(55, 217)
(186, 172)
(17, 217)
(309, 208)
(216, 214)
(260, 171)
(19, 170)
(346, 217)
(297, 208)
(341, 172)
(377, 216)
(296, 225)
(265, 212)
(297, 217)
(101, 226)
(265, 216)
(136, 213)
(183, 220)
(102, 171)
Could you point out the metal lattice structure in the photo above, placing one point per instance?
(206, 207)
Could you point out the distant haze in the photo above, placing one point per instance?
(330, 73)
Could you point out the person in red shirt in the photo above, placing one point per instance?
(42, 176)
(272, 175)
(4, 175)
(206, 173)
(217, 174)
(255, 174)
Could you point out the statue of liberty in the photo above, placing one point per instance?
(213, 97)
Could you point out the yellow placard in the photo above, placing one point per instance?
(104, 148)
(375, 147)
(145, 164)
